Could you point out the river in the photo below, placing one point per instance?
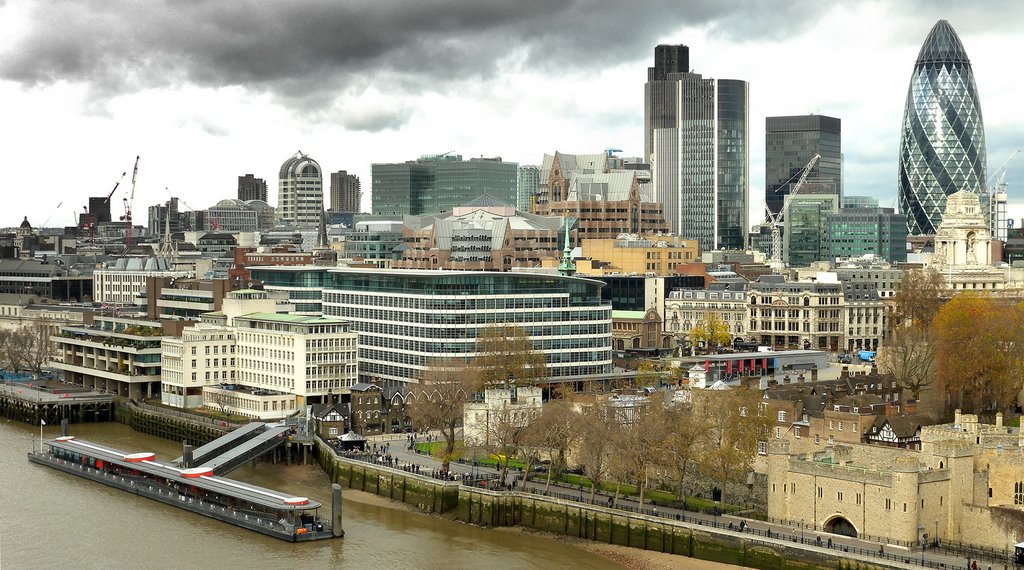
(50, 519)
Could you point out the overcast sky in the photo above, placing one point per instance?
(208, 90)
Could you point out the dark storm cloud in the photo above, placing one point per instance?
(306, 51)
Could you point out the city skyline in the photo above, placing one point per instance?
(482, 80)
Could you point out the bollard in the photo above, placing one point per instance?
(336, 528)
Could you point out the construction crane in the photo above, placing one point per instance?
(127, 217)
(775, 219)
(995, 199)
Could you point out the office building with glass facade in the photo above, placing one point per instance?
(438, 183)
(942, 147)
(408, 319)
(855, 232)
(803, 236)
(790, 143)
(700, 162)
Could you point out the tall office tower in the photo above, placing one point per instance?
(345, 193)
(790, 143)
(527, 185)
(660, 92)
(437, 183)
(300, 192)
(252, 188)
(700, 165)
(942, 147)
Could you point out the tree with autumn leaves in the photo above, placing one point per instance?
(978, 352)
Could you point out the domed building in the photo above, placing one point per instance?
(300, 192)
(942, 148)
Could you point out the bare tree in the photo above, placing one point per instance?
(505, 354)
(437, 402)
(595, 445)
(34, 345)
(507, 432)
(682, 443)
(218, 398)
(554, 431)
(909, 356)
(638, 446)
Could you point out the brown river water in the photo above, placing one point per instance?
(50, 519)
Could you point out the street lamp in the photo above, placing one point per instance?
(801, 531)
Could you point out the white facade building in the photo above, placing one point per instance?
(300, 192)
(203, 356)
(501, 408)
(125, 280)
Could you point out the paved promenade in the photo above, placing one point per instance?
(891, 555)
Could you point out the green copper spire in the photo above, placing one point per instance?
(567, 267)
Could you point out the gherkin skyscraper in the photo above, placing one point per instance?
(942, 148)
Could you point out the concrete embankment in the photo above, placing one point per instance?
(502, 508)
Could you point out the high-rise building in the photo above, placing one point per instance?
(438, 183)
(942, 147)
(345, 193)
(700, 163)
(252, 188)
(660, 109)
(527, 185)
(803, 236)
(855, 232)
(300, 192)
(790, 143)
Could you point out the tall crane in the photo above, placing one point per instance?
(995, 198)
(775, 219)
(91, 222)
(127, 217)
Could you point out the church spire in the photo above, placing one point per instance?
(567, 267)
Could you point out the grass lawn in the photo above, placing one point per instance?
(650, 495)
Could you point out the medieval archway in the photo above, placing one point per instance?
(840, 525)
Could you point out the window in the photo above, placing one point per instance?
(332, 431)
(762, 449)
(831, 424)
(840, 426)
(1018, 493)
(817, 439)
(778, 433)
(819, 492)
(831, 440)
(888, 504)
(782, 415)
(839, 496)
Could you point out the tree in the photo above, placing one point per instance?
(682, 443)
(555, 431)
(219, 398)
(505, 354)
(437, 402)
(917, 299)
(595, 432)
(710, 330)
(507, 432)
(733, 425)
(647, 374)
(638, 446)
(909, 356)
(977, 347)
(33, 342)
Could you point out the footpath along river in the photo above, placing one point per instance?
(50, 519)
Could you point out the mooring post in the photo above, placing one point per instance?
(336, 510)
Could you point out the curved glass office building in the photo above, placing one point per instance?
(942, 149)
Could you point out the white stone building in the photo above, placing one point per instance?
(500, 409)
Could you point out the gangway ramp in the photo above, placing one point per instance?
(223, 443)
(248, 450)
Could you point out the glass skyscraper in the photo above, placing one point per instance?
(942, 149)
(437, 183)
(790, 143)
(700, 163)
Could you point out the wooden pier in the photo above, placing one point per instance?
(53, 402)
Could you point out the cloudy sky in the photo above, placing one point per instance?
(206, 90)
